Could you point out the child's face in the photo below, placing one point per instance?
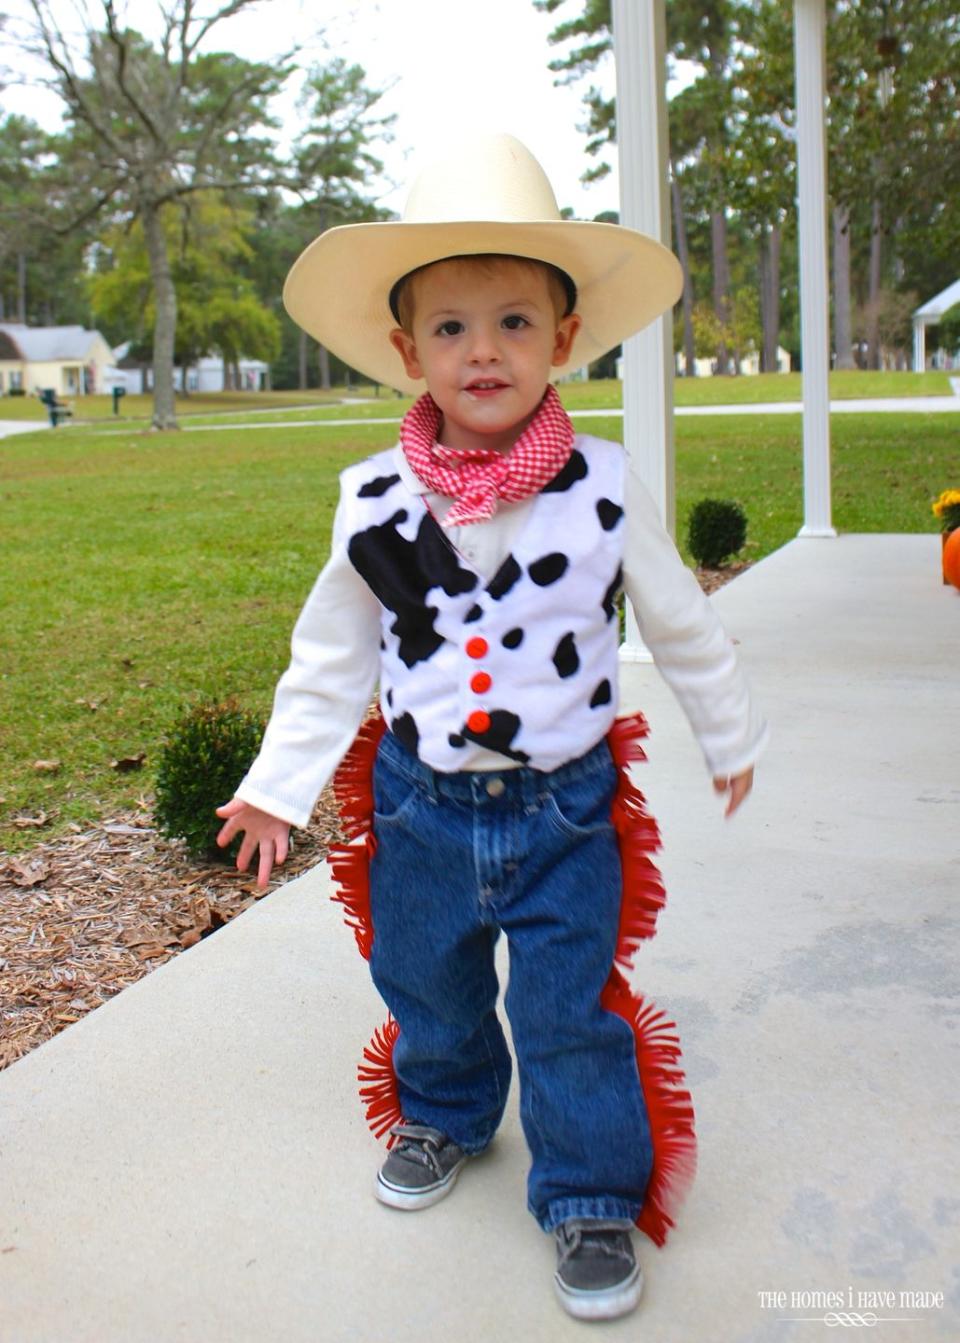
(484, 336)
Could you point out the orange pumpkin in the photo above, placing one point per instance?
(951, 558)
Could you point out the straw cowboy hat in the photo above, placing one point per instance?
(490, 195)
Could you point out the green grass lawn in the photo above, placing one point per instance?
(137, 406)
(138, 570)
(600, 394)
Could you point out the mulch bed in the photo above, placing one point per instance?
(88, 913)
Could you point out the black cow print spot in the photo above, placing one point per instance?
(566, 659)
(568, 475)
(504, 726)
(602, 695)
(609, 514)
(404, 728)
(512, 638)
(504, 579)
(548, 569)
(400, 573)
(609, 602)
(474, 613)
(390, 698)
(456, 740)
(383, 646)
(374, 489)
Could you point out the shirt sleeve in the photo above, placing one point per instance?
(321, 698)
(690, 647)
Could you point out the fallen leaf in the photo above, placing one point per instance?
(190, 938)
(139, 937)
(200, 909)
(29, 874)
(92, 704)
(46, 766)
(26, 822)
(129, 762)
(148, 953)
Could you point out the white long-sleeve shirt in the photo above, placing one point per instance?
(322, 696)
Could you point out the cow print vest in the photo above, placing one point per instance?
(523, 664)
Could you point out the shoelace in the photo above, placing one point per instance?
(420, 1143)
(608, 1237)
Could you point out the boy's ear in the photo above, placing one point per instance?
(567, 329)
(402, 342)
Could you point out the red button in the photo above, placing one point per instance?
(477, 647)
(479, 721)
(481, 683)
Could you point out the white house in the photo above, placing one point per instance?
(206, 375)
(70, 359)
(929, 314)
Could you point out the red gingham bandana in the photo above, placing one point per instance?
(477, 481)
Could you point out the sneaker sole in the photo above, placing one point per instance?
(412, 1200)
(601, 1305)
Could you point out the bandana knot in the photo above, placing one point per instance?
(478, 479)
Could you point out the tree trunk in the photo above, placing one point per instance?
(22, 288)
(721, 280)
(303, 361)
(680, 231)
(842, 330)
(770, 298)
(873, 299)
(323, 364)
(165, 325)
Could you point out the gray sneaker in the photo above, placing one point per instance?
(598, 1277)
(421, 1169)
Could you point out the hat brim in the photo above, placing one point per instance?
(338, 288)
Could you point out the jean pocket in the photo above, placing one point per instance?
(394, 796)
(583, 808)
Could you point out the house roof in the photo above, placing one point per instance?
(39, 344)
(935, 307)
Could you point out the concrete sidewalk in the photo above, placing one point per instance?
(190, 1161)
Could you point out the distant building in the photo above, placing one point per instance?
(70, 359)
(929, 314)
(206, 375)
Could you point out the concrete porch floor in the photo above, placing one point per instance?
(190, 1161)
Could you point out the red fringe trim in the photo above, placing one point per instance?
(350, 869)
(353, 781)
(350, 863)
(378, 1081)
(643, 892)
(669, 1107)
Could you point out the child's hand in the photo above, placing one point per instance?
(738, 787)
(263, 831)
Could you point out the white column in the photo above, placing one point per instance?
(809, 31)
(639, 45)
(919, 345)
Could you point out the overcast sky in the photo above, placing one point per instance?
(451, 67)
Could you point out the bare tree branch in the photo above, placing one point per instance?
(225, 12)
(120, 45)
(75, 96)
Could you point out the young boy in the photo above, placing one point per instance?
(474, 573)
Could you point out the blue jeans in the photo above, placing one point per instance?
(459, 858)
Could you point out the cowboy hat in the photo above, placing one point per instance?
(489, 196)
